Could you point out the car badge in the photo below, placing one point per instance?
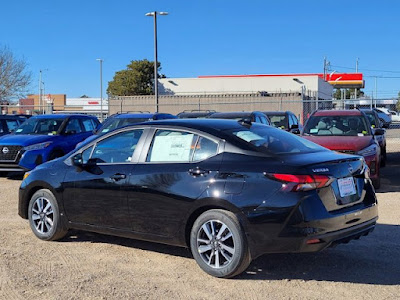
(5, 150)
(320, 170)
(351, 169)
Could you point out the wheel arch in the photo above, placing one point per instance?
(208, 204)
(36, 186)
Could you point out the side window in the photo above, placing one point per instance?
(118, 148)
(172, 146)
(258, 119)
(12, 125)
(291, 121)
(295, 121)
(1, 127)
(73, 126)
(86, 154)
(88, 124)
(264, 120)
(204, 149)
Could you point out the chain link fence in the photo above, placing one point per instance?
(301, 105)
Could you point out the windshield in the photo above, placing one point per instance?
(48, 126)
(337, 125)
(270, 140)
(278, 121)
(115, 123)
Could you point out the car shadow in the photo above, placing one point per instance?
(371, 260)
(390, 175)
(92, 237)
(374, 260)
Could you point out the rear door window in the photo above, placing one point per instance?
(88, 124)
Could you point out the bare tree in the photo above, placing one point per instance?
(14, 76)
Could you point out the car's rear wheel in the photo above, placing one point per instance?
(218, 244)
(44, 216)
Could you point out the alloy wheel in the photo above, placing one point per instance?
(215, 244)
(42, 215)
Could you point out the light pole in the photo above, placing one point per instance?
(101, 88)
(154, 15)
(40, 90)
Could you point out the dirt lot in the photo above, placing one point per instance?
(93, 266)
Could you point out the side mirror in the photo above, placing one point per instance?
(294, 126)
(379, 131)
(295, 131)
(77, 160)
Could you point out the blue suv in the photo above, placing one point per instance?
(43, 138)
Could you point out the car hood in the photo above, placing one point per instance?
(339, 143)
(25, 139)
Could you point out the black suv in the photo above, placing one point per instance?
(250, 116)
(8, 123)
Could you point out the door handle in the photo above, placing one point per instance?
(118, 176)
(198, 172)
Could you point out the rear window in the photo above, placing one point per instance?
(337, 125)
(278, 121)
(273, 141)
(115, 123)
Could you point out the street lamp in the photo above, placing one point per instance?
(101, 88)
(154, 14)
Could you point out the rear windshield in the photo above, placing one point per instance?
(337, 125)
(48, 126)
(273, 141)
(371, 118)
(115, 123)
(278, 121)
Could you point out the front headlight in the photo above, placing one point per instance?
(369, 151)
(37, 146)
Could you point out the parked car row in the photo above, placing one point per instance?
(230, 190)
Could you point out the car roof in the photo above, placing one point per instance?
(12, 117)
(352, 112)
(61, 116)
(276, 113)
(233, 114)
(206, 125)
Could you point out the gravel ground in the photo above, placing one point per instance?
(94, 266)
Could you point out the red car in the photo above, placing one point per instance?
(346, 131)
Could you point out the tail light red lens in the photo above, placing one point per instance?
(296, 183)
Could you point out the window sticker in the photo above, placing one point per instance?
(248, 136)
(364, 132)
(172, 148)
(313, 130)
(360, 134)
(18, 130)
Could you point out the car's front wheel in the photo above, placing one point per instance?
(218, 244)
(44, 216)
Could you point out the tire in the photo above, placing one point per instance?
(44, 216)
(383, 159)
(225, 253)
(377, 183)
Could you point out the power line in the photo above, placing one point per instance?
(370, 70)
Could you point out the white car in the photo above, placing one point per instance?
(395, 116)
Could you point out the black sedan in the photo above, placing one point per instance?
(230, 191)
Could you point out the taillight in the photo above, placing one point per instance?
(297, 183)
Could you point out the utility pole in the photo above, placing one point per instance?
(324, 68)
(40, 90)
(101, 88)
(355, 90)
(376, 90)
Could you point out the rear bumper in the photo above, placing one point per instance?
(303, 232)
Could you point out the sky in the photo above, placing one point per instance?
(64, 39)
